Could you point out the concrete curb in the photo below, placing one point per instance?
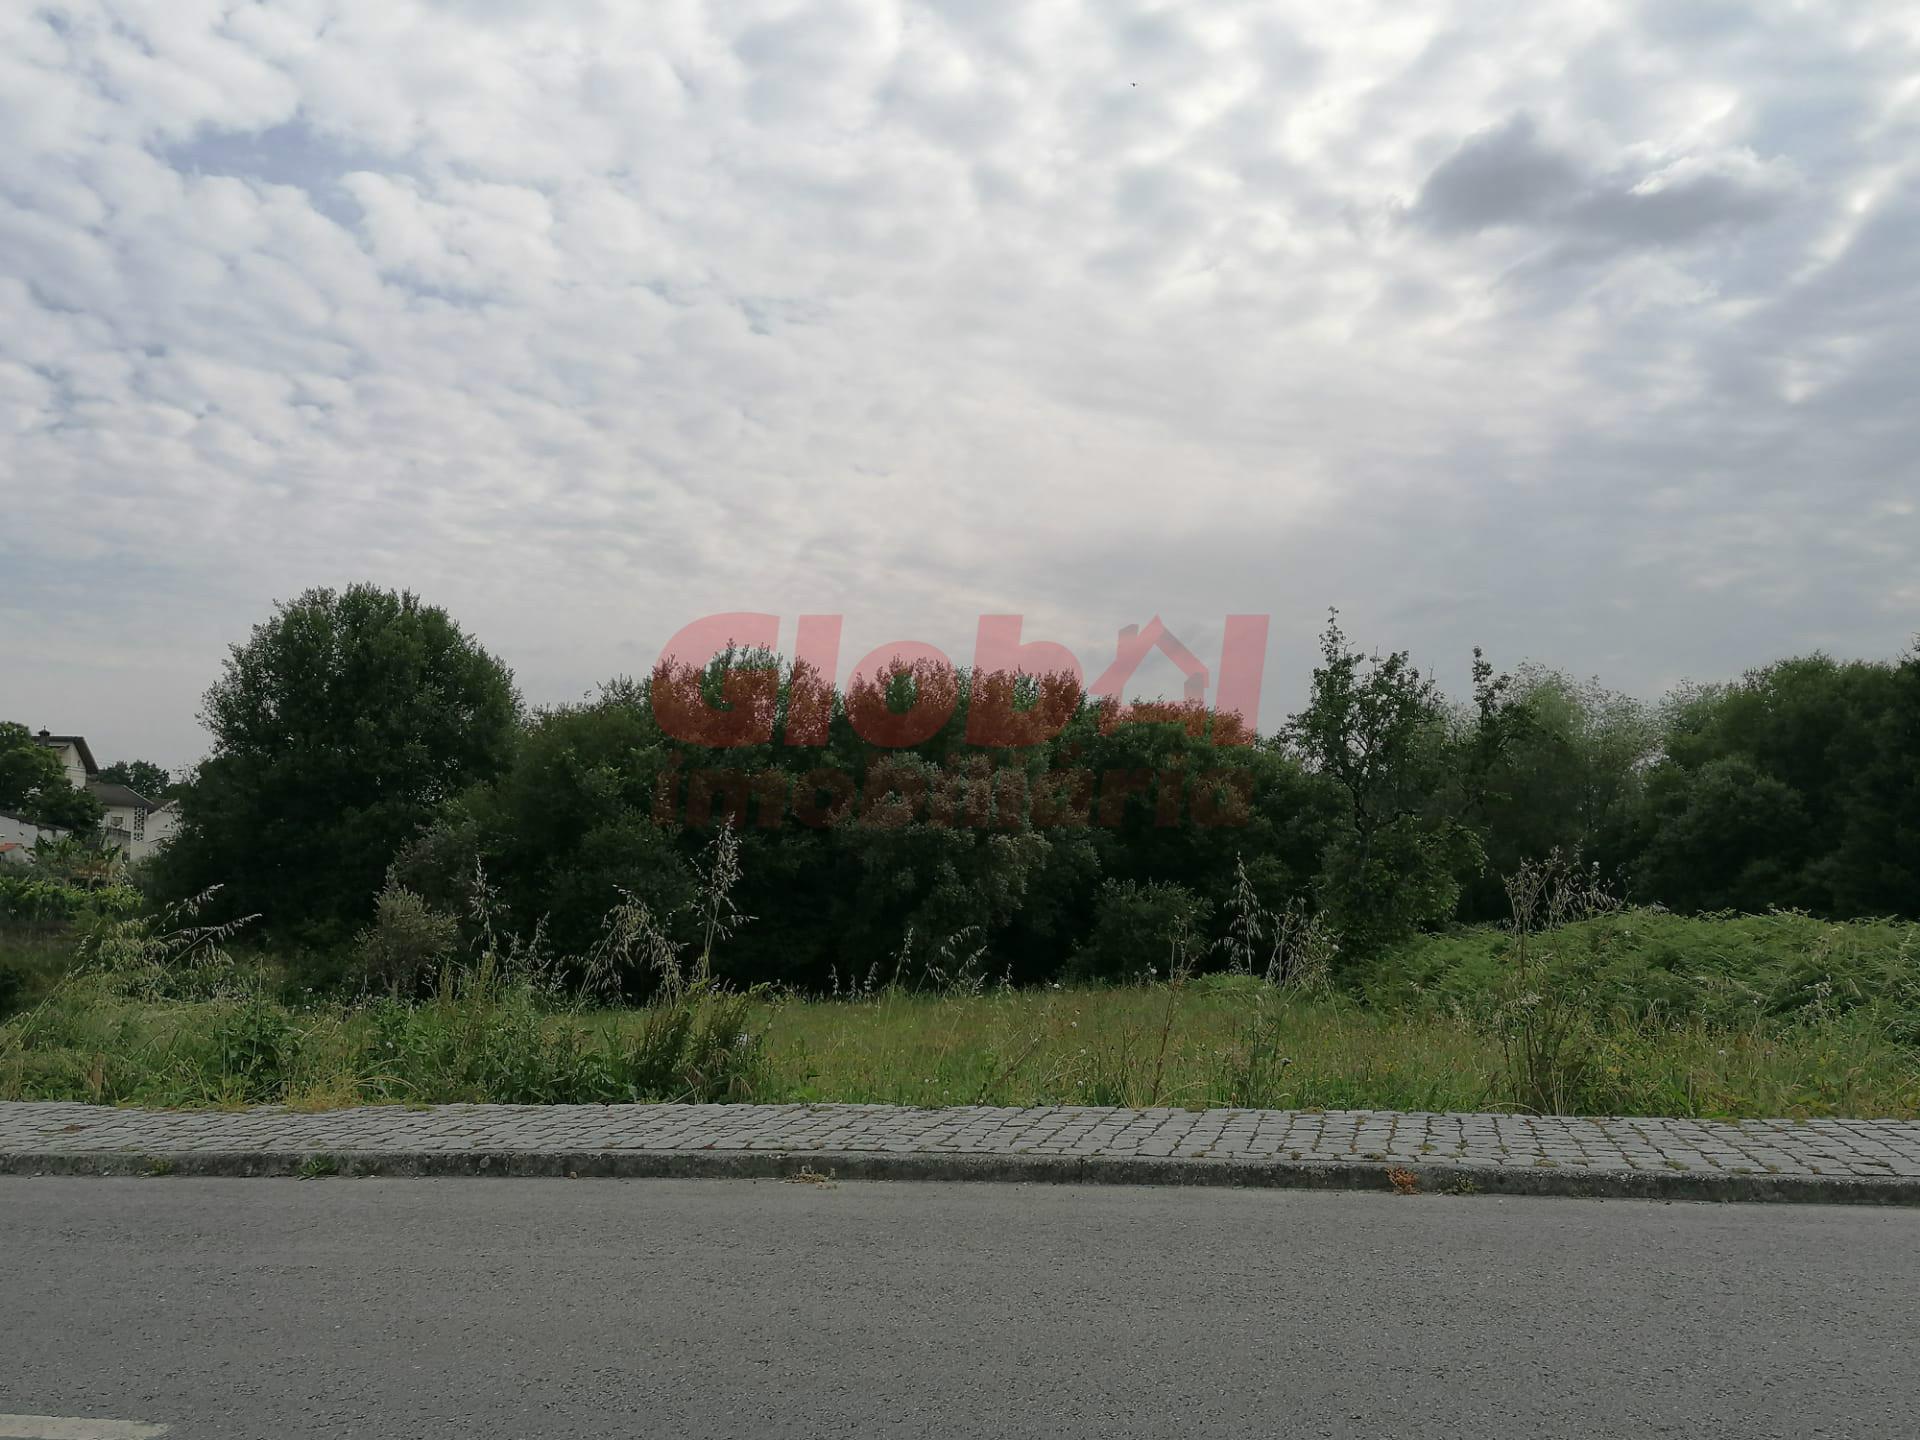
(1425, 1178)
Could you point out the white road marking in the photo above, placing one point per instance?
(53, 1427)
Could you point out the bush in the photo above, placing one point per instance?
(256, 1047)
(503, 1048)
(1652, 967)
(33, 899)
(1140, 930)
(406, 943)
(167, 956)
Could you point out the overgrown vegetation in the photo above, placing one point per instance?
(362, 737)
(162, 1010)
(1577, 1005)
(1550, 897)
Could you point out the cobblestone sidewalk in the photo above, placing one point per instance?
(1876, 1161)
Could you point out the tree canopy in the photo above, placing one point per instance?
(143, 777)
(339, 728)
(361, 736)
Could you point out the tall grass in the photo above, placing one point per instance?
(1225, 1044)
(159, 1012)
(1575, 1008)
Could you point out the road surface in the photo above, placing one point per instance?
(537, 1308)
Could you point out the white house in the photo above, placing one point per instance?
(137, 825)
(17, 838)
(134, 823)
(75, 757)
(162, 821)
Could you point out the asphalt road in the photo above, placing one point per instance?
(467, 1308)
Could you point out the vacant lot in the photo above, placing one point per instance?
(1638, 1012)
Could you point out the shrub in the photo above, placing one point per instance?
(256, 1046)
(1140, 930)
(166, 956)
(503, 1047)
(1545, 1015)
(1294, 946)
(29, 969)
(406, 943)
(1648, 967)
(30, 898)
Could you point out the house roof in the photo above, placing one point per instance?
(117, 797)
(79, 742)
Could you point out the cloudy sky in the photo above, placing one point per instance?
(1586, 332)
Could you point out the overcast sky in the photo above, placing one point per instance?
(1586, 332)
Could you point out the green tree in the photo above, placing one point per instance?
(342, 727)
(1879, 853)
(141, 776)
(64, 808)
(26, 767)
(34, 787)
(1378, 730)
(1793, 786)
(1727, 836)
(1569, 779)
(566, 826)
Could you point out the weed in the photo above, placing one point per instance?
(1778, 1015)
(1546, 1016)
(1181, 957)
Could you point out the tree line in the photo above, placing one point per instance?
(363, 741)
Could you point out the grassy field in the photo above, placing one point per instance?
(1637, 1013)
(1230, 1045)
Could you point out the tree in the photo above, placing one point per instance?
(1788, 787)
(1728, 836)
(33, 786)
(566, 828)
(26, 766)
(1376, 727)
(340, 728)
(1568, 779)
(141, 776)
(1883, 837)
(61, 807)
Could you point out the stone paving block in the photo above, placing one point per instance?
(1712, 1156)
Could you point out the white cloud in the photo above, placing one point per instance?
(586, 320)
